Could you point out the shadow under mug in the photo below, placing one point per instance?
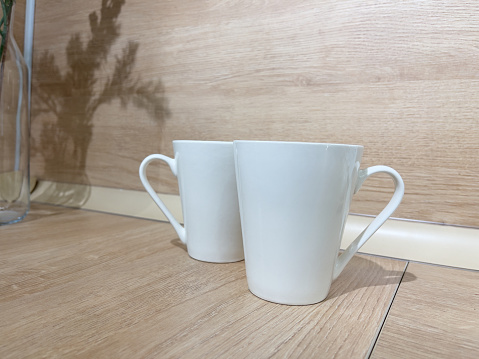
(209, 199)
(294, 201)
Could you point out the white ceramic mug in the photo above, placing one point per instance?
(209, 200)
(294, 200)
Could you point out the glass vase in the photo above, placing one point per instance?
(14, 135)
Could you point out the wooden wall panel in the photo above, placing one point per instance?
(19, 23)
(400, 78)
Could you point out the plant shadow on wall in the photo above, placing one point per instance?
(68, 102)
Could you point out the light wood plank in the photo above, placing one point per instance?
(435, 315)
(400, 78)
(19, 23)
(85, 284)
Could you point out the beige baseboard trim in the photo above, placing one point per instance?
(104, 199)
(423, 242)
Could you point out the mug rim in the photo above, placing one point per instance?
(299, 143)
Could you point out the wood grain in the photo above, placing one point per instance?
(400, 78)
(433, 316)
(19, 23)
(75, 283)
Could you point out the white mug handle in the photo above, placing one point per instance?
(172, 163)
(346, 256)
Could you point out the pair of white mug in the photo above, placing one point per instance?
(285, 202)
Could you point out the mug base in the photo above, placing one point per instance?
(217, 260)
(296, 302)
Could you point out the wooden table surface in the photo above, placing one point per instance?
(75, 283)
